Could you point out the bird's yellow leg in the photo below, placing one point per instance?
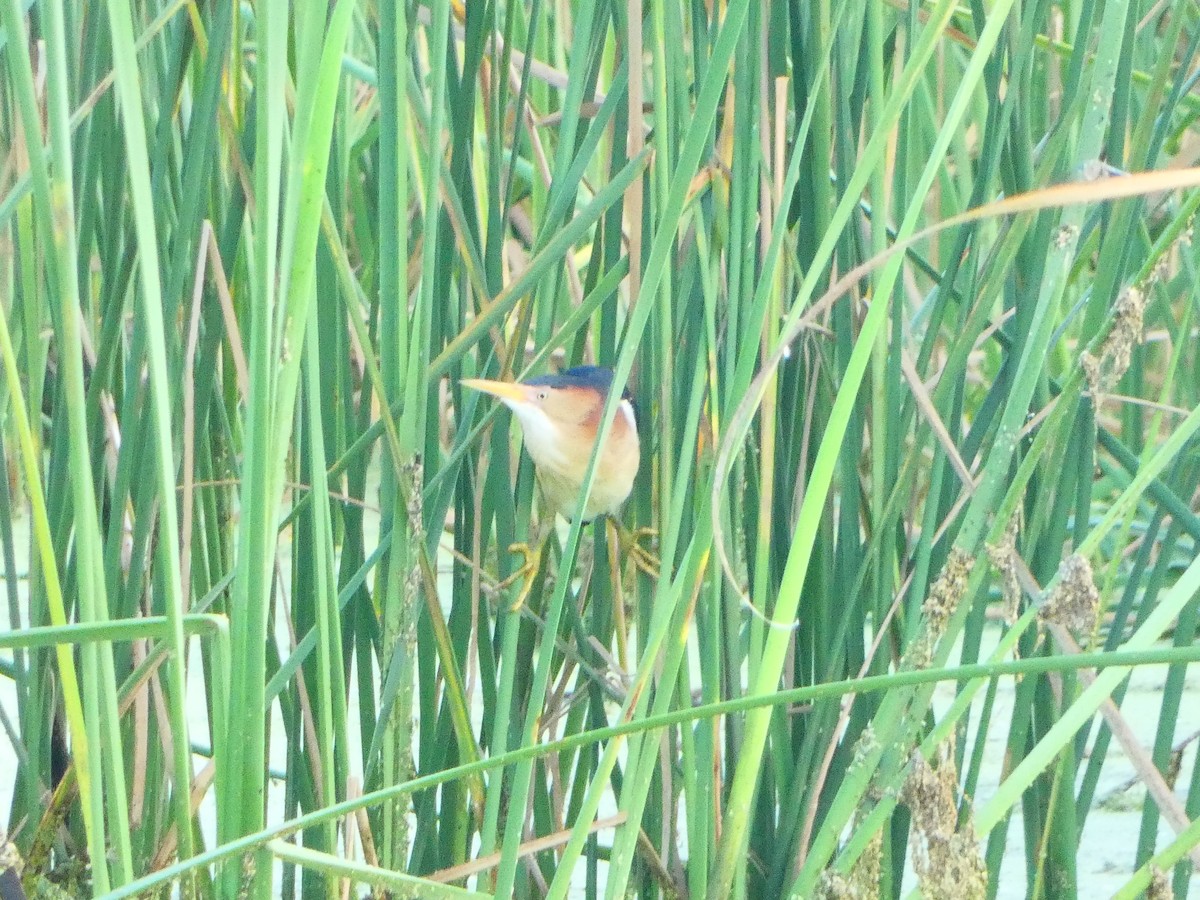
(630, 542)
(527, 572)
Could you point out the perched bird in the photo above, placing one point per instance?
(560, 416)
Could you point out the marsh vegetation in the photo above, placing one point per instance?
(905, 295)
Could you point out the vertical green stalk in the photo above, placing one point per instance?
(130, 94)
(883, 375)
(330, 694)
(241, 791)
(407, 368)
(393, 324)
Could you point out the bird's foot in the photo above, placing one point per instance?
(526, 573)
(643, 557)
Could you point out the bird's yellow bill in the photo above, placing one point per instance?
(510, 391)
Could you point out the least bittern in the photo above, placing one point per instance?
(560, 418)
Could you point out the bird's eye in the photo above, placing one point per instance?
(541, 395)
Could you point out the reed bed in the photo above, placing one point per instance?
(907, 298)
